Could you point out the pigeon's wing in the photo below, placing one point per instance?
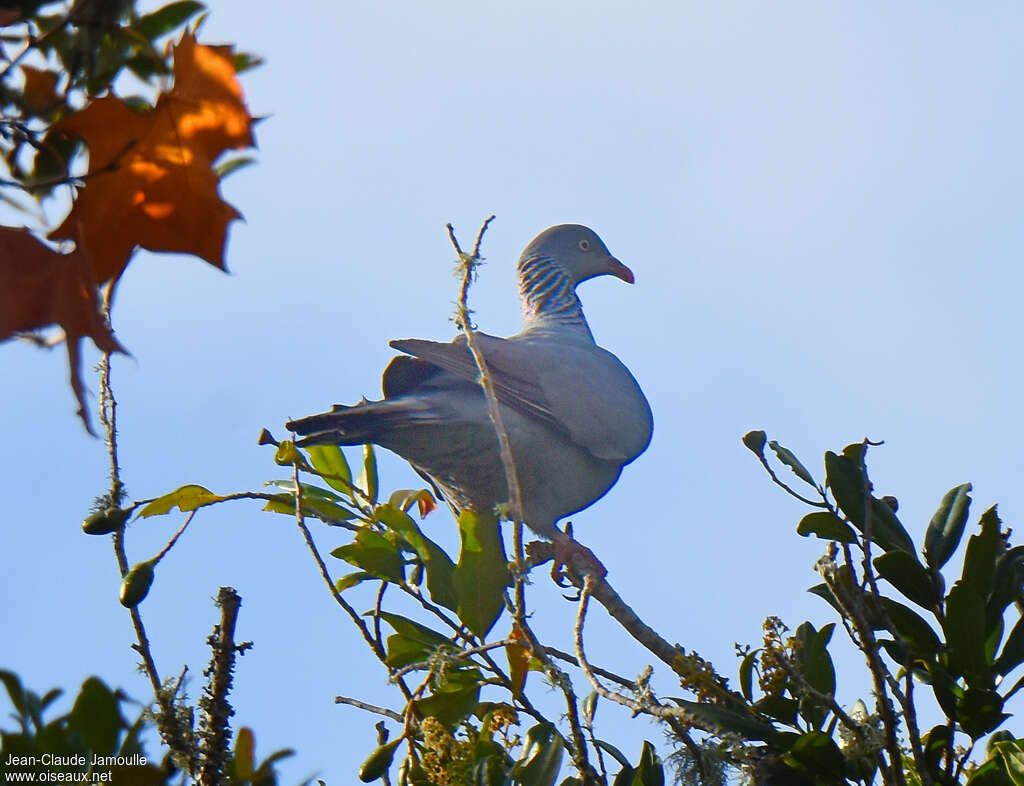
(578, 390)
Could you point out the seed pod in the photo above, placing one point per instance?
(379, 761)
(103, 522)
(135, 585)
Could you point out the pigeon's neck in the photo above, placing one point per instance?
(548, 297)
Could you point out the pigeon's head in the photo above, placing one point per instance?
(578, 250)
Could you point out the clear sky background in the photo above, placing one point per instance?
(821, 204)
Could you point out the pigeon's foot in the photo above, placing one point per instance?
(570, 552)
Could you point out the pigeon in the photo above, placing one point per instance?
(574, 414)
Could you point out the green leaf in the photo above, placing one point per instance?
(186, 498)
(791, 461)
(15, 690)
(168, 18)
(826, 526)
(96, 717)
(243, 61)
(440, 569)
(368, 476)
(313, 504)
(1013, 651)
(917, 633)
(982, 551)
(481, 576)
(379, 761)
(817, 664)
(1012, 754)
(935, 743)
(778, 709)
(456, 701)
(232, 165)
(964, 625)
(747, 674)
(980, 711)
(244, 759)
(1006, 583)
(375, 554)
(727, 719)
(947, 526)
(333, 466)
(850, 486)
(824, 592)
(649, 772)
(817, 753)
(350, 580)
(414, 631)
(612, 751)
(909, 576)
(542, 757)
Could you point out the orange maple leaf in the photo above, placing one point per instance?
(151, 180)
(39, 287)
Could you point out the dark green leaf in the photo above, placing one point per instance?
(375, 554)
(379, 761)
(909, 576)
(412, 630)
(778, 708)
(167, 18)
(851, 489)
(401, 651)
(333, 466)
(980, 711)
(1012, 754)
(1006, 584)
(542, 757)
(786, 457)
(440, 569)
(823, 591)
(96, 717)
(964, 626)
(726, 719)
(818, 670)
(15, 690)
(747, 674)
(243, 61)
(947, 526)
(649, 772)
(917, 633)
(982, 550)
(827, 526)
(817, 753)
(614, 752)
(455, 701)
(481, 576)
(936, 744)
(1013, 651)
(848, 483)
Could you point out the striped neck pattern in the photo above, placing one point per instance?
(548, 295)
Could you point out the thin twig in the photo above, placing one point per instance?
(377, 649)
(370, 708)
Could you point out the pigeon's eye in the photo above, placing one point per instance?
(584, 245)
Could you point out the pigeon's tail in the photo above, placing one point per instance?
(369, 421)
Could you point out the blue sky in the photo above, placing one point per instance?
(820, 202)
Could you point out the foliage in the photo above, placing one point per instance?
(95, 727)
(153, 174)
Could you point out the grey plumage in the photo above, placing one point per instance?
(574, 414)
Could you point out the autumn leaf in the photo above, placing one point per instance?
(40, 93)
(151, 180)
(39, 287)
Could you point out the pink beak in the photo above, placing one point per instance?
(619, 270)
